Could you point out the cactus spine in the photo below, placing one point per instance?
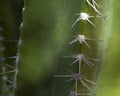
(10, 40)
(81, 58)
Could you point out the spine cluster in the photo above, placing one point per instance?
(82, 58)
(9, 70)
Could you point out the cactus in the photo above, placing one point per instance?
(10, 14)
(81, 58)
(62, 52)
(108, 80)
(50, 32)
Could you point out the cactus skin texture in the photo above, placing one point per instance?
(46, 33)
(109, 80)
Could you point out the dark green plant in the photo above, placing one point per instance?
(49, 32)
(10, 13)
